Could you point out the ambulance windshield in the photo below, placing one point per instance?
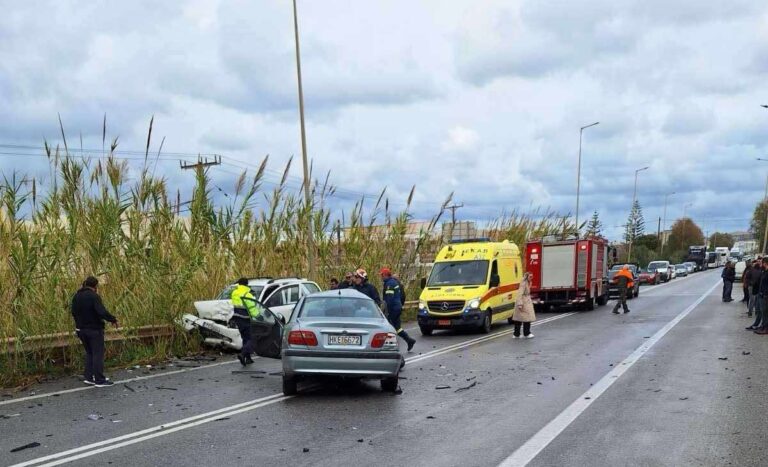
(458, 273)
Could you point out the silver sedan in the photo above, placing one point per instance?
(339, 333)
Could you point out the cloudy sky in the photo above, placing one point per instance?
(481, 98)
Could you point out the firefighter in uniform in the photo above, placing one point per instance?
(246, 308)
(393, 294)
(626, 283)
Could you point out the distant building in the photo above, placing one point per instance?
(742, 236)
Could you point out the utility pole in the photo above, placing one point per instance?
(201, 163)
(578, 175)
(453, 209)
(307, 196)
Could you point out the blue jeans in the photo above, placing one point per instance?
(727, 288)
(754, 301)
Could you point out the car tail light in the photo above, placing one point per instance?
(307, 338)
(383, 339)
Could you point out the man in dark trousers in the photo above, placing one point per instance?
(728, 276)
(626, 283)
(393, 293)
(755, 274)
(89, 313)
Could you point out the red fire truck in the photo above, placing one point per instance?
(568, 271)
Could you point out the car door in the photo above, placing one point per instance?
(283, 300)
(267, 330)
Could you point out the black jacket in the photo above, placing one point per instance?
(368, 289)
(754, 277)
(763, 287)
(729, 274)
(88, 311)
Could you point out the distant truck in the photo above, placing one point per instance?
(723, 253)
(568, 271)
(736, 253)
(698, 256)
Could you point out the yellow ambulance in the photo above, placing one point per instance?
(472, 284)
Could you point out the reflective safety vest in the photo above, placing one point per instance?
(244, 302)
(627, 274)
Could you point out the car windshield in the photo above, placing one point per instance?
(226, 294)
(339, 307)
(458, 273)
(656, 265)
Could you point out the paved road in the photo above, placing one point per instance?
(647, 388)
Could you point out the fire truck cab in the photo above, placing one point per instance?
(568, 271)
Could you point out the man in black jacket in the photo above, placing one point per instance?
(753, 281)
(366, 288)
(728, 276)
(761, 323)
(89, 313)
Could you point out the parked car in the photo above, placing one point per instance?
(681, 270)
(691, 266)
(613, 289)
(649, 277)
(214, 317)
(663, 268)
(338, 333)
(740, 267)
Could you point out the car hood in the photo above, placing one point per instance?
(217, 310)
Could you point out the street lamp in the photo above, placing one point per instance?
(765, 201)
(578, 174)
(664, 222)
(632, 219)
(307, 197)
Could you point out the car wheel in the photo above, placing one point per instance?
(290, 386)
(637, 292)
(485, 328)
(602, 300)
(389, 384)
(425, 331)
(589, 305)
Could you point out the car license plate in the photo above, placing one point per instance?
(337, 339)
(444, 322)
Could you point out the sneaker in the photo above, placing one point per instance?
(751, 328)
(89, 382)
(529, 336)
(615, 312)
(515, 337)
(627, 311)
(105, 384)
(762, 331)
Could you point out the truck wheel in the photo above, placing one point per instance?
(425, 331)
(602, 300)
(389, 384)
(290, 388)
(589, 305)
(485, 328)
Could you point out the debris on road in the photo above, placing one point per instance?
(430, 417)
(467, 387)
(221, 419)
(166, 388)
(5, 417)
(26, 446)
(360, 440)
(129, 388)
(746, 353)
(683, 398)
(442, 386)
(722, 358)
(305, 450)
(94, 417)
(243, 372)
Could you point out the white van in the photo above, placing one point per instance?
(722, 255)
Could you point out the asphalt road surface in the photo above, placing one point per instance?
(678, 381)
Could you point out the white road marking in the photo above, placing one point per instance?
(172, 427)
(528, 451)
(122, 381)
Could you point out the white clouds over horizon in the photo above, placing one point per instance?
(483, 99)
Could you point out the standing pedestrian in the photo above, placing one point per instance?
(755, 274)
(90, 313)
(347, 282)
(246, 308)
(626, 282)
(364, 287)
(524, 313)
(760, 326)
(393, 293)
(745, 282)
(729, 276)
(334, 283)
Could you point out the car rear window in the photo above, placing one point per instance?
(339, 307)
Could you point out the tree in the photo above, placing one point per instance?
(721, 239)
(650, 241)
(757, 225)
(683, 234)
(635, 223)
(595, 227)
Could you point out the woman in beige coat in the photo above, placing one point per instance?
(524, 313)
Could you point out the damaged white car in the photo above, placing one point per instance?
(214, 317)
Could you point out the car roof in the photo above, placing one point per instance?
(279, 281)
(342, 293)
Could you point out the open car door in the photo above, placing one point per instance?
(267, 332)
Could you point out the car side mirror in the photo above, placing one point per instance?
(423, 282)
(281, 318)
(495, 281)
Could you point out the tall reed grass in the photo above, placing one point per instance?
(154, 259)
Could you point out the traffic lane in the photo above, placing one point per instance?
(61, 423)
(681, 404)
(472, 426)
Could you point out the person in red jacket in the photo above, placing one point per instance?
(625, 282)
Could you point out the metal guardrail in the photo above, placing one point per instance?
(66, 339)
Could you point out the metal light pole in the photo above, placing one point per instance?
(664, 222)
(765, 201)
(578, 175)
(632, 219)
(307, 196)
